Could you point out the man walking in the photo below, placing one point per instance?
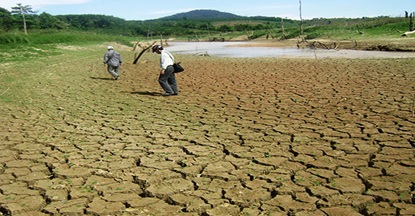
(113, 60)
(167, 78)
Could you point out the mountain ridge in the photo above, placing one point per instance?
(200, 14)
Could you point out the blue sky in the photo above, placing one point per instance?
(147, 9)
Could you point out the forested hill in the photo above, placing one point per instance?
(197, 24)
(203, 15)
(194, 22)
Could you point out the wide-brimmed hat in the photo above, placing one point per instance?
(110, 47)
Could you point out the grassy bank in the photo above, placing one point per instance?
(20, 47)
(48, 37)
(364, 34)
(382, 33)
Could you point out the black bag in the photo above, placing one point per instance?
(177, 67)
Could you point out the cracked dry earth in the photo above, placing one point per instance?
(262, 136)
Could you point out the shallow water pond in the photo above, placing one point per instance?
(238, 50)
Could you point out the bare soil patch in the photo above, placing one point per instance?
(244, 137)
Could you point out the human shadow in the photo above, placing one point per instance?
(147, 93)
(101, 78)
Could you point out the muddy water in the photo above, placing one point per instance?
(240, 50)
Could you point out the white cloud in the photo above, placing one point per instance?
(39, 3)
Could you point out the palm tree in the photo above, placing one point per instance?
(22, 10)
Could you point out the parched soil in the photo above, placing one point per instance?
(262, 136)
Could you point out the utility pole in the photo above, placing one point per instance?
(301, 20)
(282, 28)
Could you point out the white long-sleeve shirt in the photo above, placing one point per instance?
(166, 59)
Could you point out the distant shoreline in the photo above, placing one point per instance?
(237, 49)
(403, 44)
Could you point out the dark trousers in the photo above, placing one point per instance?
(168, 81)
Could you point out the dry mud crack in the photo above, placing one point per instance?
(244, 137)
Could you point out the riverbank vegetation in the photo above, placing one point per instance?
(45, 30)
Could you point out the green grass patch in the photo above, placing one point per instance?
(374, 29)
(65, 37)
(25, 52)
(19, 47)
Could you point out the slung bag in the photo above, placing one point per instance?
(177, 67)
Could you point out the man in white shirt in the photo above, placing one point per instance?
(167, 78)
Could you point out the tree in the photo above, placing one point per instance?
(22, 10)
(225, 28)
(6, 20)
(47, 21)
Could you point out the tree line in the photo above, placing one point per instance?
(23, 18)
(12, 21)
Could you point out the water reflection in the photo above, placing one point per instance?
(234, 49)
